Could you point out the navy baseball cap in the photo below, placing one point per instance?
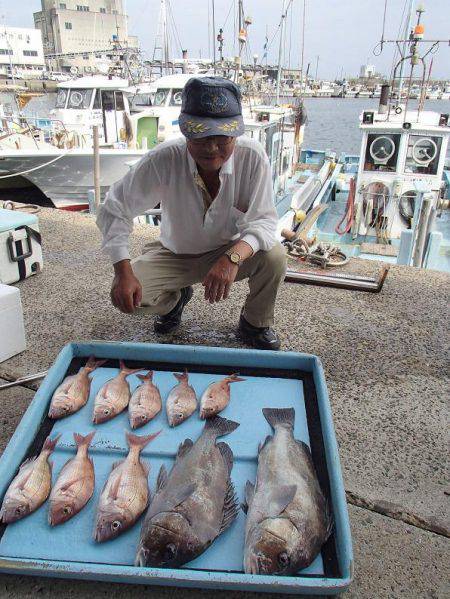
(211, 106)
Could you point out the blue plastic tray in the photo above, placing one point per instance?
(276, 379)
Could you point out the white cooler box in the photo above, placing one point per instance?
(12, 331)
(20, 246)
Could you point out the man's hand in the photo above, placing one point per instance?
(126, 290)
(218, 281)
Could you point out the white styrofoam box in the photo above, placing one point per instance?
(20, 246)
(12, 330)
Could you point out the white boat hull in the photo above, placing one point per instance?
(66, 181)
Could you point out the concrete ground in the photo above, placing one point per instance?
(386, 367)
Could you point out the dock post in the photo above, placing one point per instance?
(96, 167)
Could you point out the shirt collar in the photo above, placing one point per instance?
(227, 167)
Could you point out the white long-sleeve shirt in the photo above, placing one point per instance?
(243, 208)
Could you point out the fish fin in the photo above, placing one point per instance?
(114, 489)
(234, 378)
(182, 377)
(264, 443)
(249, 494)
(162, 478)
(128, 371)
(26, 463)
(280, 499)
(116, 464)
(219, 426)
(227, 454)
(281, 416)
(93, 363)
(184, 447)
(146, 377)
(67, 486)
(83, 440)
(308, 453)
(50, 444)
(180, 495)
(230, 507)
(139, 440)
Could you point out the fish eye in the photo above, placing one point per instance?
(106, 412)
(170, 551)
(19, 509)
(283, 559)
(116, 524)
(67, 510)
(143, 417)
(180, 415)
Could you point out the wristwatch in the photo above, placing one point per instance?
(234, 257)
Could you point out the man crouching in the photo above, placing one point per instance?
(218, 218)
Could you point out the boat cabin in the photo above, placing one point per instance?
(97, 100)
(401, 153)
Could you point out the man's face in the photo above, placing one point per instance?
(210, 153)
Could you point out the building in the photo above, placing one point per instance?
(367, 71)
(78, 34)
(21, 53)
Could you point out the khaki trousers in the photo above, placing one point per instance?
(162, 274)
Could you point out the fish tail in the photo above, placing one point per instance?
(146, 377)
(50, 444)
(127, 370)
(85, 440)
(279, 416)
(234, 378)
(139, 441)
(92, 363)
(219, 426)
(182, 377)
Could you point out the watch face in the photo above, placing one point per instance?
(234, 257)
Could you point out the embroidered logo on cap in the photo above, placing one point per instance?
(215, 102)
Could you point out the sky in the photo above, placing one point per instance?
(342, 33)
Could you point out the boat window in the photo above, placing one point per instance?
(97, 100)
(175, 98)
(120, 105)
(108, 99)
(423, 154)
(142, 100)
(382, 152)
(61, 98)
(80, 98)
(160, 97)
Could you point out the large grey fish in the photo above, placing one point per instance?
(217, 396)
(145, 403)
(73, 393)
(288, 519)
(125, 494)
(114, 396)
(31, 487)
(182, 400)
(74, 485)
(193, 504)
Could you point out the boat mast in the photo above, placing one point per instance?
(280, 52)
(408, 27)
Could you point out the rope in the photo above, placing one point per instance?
(36, 168)
(30, 208)
(349, 213)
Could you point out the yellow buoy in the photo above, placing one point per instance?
(300, 216)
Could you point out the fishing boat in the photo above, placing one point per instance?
(391, 202)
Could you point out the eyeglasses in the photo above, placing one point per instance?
(221, 141)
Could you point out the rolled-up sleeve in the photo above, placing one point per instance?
(135, 193)
(258, 225)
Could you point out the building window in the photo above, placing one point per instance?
(82, 8)
(8, 52)
(68, 25)
(30, 53)
(103, 10)
(62, 5)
